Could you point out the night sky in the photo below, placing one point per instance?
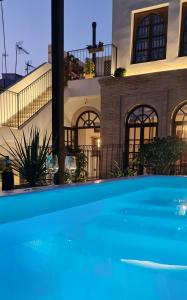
(29, 21)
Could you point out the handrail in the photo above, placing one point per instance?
(81, 49)
(88, 64)
(39, 78)
(33, 82)
(17, 107)
(9, 91)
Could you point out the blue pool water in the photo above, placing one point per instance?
(121, 240)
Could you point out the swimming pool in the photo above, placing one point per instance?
(118, 240)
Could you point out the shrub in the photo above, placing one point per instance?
(89, 67)
(160, 156)
(120, 72)
(80, 174)
(117, 172)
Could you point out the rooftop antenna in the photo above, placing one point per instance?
(19, 50)
(4, 57)
(29, 66)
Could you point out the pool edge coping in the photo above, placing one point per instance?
(80, 184)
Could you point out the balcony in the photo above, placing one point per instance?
(91, 62)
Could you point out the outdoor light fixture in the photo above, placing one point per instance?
(99, 143)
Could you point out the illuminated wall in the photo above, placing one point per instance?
(123, 24)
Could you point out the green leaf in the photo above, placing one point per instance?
(29, 156)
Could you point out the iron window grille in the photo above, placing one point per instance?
(180, 122)
(183, 39)
(141, 127)
(88, 119)
(150, 38)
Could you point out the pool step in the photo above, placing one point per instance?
(135, 236)
(176, 213)
(148, 225)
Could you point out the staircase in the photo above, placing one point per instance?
(18, 108)
(23, 115)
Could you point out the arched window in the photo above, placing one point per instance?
(180, 122)
(142, 115)
(180, 129)
(88, 119)
(88, 129)
(150, 39)
(141, 128)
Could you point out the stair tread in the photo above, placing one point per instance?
(28, 111)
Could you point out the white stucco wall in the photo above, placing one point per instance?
(74, 106)
(84, 87)
(123, 17)
(80, 95)
(77, 105)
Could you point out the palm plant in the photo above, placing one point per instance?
(28, 156)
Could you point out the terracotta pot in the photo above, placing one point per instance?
(94, 50)
(88, 76)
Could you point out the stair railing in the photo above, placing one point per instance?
(13, 105)
(33, 95)
(8, 106)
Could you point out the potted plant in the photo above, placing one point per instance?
(97, 48)
(89, 69)
(120, 72)
(29, 156)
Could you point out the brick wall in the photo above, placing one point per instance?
(164, 91)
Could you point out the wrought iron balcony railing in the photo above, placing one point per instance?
(91, 62)
(18, 108)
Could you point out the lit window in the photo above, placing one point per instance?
(183, 42)
(150, 37)
(180, 122)
(141, 128)
(88, 119)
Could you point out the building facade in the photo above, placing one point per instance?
(151, 100)
(109, 117)
(28, 103)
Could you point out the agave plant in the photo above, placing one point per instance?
(29, 156)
